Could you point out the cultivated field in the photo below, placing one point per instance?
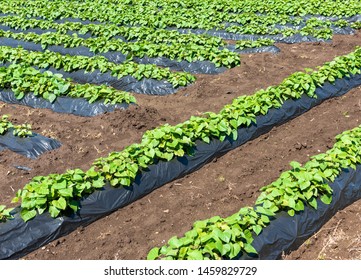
(167, 63)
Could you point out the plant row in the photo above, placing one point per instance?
(289, 7)
(246, 44)
(108, 31)
(318, 28)
(320, 33)
(61, 192)
(22, 80)
(22, 130)
(190, 14)
(226, 238)
(5, 213)
(250, 24)
(78, 62)
(189, 52)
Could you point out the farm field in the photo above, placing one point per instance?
(222, 186)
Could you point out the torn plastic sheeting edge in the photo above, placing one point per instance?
(66, 105)
(31, 147)
(335, 29)
(285, 233)
(269, 49)
(20, 238)
(196, 67)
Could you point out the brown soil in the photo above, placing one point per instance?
(219, 188)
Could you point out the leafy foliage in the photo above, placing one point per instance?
(22, 80)
(5, 124)
(176, 51)
(167, 142)
(5, 213)
(90, 64)
(107, 31)
(57, 193)
(206, 14)
(135, 19)
(22, 130)
(302, 186)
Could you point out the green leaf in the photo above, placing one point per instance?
(125, 182)
(249, 249)
(54, 212)
(214, 219)
(195, 255)
(291, 212)
(74, 205)
(326, 198)
(27, 214)
(218, 233)
(59, 186)
(158, 134)
(182, 253)
(236, 249)
(115, 181)
(92, 173)
(299, 206)
(60, 203)
(264, 211)
(304, 185)
(41, 200)
(265, 219)
(226, 236)
(291, 203)
(328, 173)
(225, 249)
(153, 254)
(52, 98)
(313, 202)
(68, 192)
(257, 229)
(295, 165)
(200, 224)
(174, 242)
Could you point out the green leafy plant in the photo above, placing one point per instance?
(206, 14)
(22, 130)
(5, 124)
(176, 51)
(22, 80)
(5, 213)
(300, 187)
(57, 193)
(167, 142)
(90, 64)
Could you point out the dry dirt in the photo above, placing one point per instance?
(219, 188)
